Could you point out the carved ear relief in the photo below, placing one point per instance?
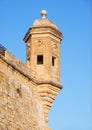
(54, 45)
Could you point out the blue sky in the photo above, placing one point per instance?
(72, 108)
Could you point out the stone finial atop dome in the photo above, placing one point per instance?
(43, 13)
(44, 22)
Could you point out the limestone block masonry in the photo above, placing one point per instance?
(27, 91)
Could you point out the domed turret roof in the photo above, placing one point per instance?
(43, 22)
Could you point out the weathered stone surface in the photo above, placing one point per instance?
(27, 91)
(20, 107)
(43, 39)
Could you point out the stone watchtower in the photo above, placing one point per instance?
(43, 57)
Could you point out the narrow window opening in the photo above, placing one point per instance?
(53, 60)
(28, 61)
(40, 59)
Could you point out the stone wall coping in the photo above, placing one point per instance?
(18, 65)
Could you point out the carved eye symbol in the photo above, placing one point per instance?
(40, 42)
